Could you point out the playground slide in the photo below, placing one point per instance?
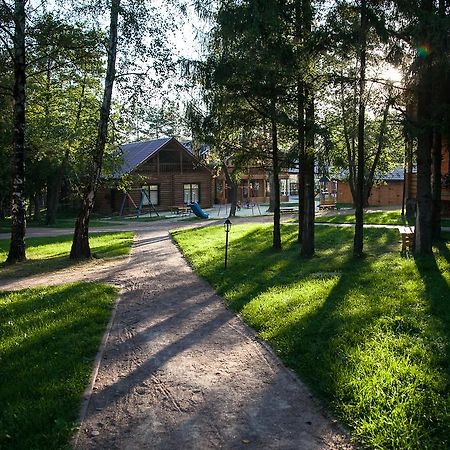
(198, 211)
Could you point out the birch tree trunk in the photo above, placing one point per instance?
(18, 214)
(80, 244)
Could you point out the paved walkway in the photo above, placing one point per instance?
(180, 371)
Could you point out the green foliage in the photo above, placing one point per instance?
(48, 339)
(369, 336)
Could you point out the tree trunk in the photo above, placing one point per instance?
(276, 184)
(307, 242)
(301, 158)
(307, 246)
(300, 121)
(359, 191)
(233, 190)
(379, 151)
(423, 237)
(80, 244)
(436, 186)
(18, 222)
(37, 207)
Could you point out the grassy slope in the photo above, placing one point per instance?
(48, 339)
(51, 253)
(371, 337)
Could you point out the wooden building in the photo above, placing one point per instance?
(411, 182)
(168, 172)
(253, 186)
(388, 191)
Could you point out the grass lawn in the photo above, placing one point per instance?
(65, 219)
(370, 337)
(48, 254)
(48, 340)
(380, 218)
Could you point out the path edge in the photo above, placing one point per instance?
(87, 394)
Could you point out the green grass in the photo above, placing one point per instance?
(65, 219)
(370, 337)
(393, 217)
(48, 340)
(379, 218)
(48, 254)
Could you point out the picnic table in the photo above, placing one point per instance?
(407, 235)
(180, 209)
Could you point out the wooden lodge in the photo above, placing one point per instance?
(166, 170)
(253, 187)
(411, 182)
(387, 192)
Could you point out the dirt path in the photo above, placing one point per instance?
(180, 371)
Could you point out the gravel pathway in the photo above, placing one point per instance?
(180, 371)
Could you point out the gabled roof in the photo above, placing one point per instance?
(136, 153)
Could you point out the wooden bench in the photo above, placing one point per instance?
(407, 235)
(288, 209)
(327, 206)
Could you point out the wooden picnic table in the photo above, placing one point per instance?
(407, 235)
(180, 209)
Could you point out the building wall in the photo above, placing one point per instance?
(387, 194)
(445, 194)
(170, 175)
(259, 192)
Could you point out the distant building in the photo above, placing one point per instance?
(387, 191)
(166, 170)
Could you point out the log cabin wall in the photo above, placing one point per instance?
(171, 168)
(385, 194)
(253, 186)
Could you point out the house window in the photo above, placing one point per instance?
(191, 193)
(151, 195)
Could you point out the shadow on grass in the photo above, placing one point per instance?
(51, 254)
(358, 331)
(49, 338)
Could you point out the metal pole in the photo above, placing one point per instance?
(226, 249)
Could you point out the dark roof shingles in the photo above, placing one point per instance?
(137, 152)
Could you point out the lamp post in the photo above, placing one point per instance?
(227, 227)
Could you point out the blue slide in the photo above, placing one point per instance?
(198, 211)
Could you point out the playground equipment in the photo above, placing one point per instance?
(142, 203)
(198, 211)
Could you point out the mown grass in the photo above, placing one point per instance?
(48, 340)
(64, 219)
(48, 254)
(392, 217)
(370, 337)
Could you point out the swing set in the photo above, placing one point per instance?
(144, 195)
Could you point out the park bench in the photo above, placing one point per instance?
(327, 206)
(288, 209)
(407, 235)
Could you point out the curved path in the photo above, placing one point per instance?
(180, 371)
